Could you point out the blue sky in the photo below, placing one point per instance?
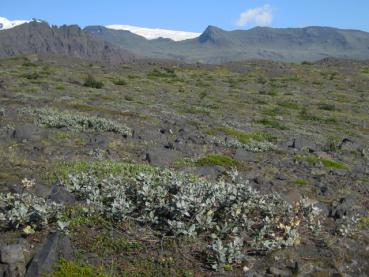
(194, 15)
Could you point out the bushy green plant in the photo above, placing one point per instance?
(120, 82)
(51, 118)
(162, 73)
(91, 82)
(32, 75)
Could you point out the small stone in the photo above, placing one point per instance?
(279, 272)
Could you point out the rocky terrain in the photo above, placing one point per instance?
(252, 168)
(70, 41)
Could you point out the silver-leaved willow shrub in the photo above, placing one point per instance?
(26, 209)
(233, 216)
(51, 118)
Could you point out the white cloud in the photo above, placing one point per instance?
(156, 33)
(260, 16)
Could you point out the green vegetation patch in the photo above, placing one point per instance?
(120, 82)
(272, 123)
(300, 182)
(162, 73)
(91, 82)
(220, 160)
(76, 269)
(328, 163)
(99, 169)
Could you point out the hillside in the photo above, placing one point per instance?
(40, 38)
(217, 46)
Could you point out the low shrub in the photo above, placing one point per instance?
(91, 82)
(183, 205)
(51, 118)
(120, 82)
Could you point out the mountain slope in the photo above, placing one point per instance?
(155, 33)
(40, 38)
(216, 45)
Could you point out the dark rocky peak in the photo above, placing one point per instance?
(214, 35)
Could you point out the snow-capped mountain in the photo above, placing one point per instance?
(8, 24)
(155, 33)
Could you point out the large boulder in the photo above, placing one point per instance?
(162, 156)
(60, 195)
(245, 156)
(57, 246)
(27, 132)
(13, 259)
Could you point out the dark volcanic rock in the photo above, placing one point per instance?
(60, 195)
(245, 156)
(13, 260)
(301, 143)
(57, 246)
(162, 156)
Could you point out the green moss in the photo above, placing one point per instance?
(328, 163)
(333, 164)
(364, 222)
(76, 269)
(243, 137)
(300, 182)
(272, 123)
(220, 160)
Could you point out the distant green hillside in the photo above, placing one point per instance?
(217, 46)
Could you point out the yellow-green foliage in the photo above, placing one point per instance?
(76, 269)
(364, 222)
(300, 182)
(328, 163)
(220, 160)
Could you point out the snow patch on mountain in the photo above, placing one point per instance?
(8, 24)
(154, 33)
